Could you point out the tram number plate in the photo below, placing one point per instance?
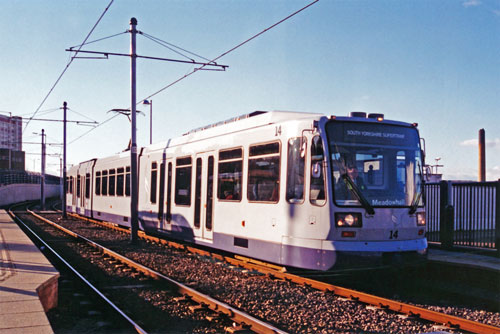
(393, 234)
(277, 131)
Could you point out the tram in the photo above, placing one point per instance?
(296, 189)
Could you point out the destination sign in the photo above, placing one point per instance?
(369, 133)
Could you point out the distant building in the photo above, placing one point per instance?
(11, 143)
(433, 177)
(11, 133)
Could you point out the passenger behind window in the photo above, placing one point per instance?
(276, 193)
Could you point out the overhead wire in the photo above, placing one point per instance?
(201, 67)
(171, 47)
(229, 51)
(67, 65)
(102, 123)
(80, 114)
(43, 112)
(100, 39)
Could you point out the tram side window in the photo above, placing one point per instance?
(78, 184)
(127, 181)
(183, 172)
(67, 185)
(264, 173)
(120, 181)
(87, 185)
(161, 199)
(112, 182)
(230, 174)
(154, 177)
(295, 170)
(104, 186)
(98, 183)
(317, 190)
(71, 184)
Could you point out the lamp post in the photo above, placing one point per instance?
(150, 103)
(42, 179)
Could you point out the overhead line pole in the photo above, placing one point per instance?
(134, 223)
(65, 185)
(134, 196)
(42, 180)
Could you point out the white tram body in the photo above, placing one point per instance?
(277, 186)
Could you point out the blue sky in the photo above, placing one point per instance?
(436, 63)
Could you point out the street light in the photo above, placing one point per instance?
(150, 103)
(42, 180)
(126, 112)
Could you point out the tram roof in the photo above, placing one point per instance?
(242, 122)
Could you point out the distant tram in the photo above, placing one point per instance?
(296, 189)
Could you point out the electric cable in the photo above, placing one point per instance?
(80, 114)
(42, 112)
(199, 68)
(98, 40)
(102, 123)
(170, 46)
(67, 66)
(171, 49)
(229, 51)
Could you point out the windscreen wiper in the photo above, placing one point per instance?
(358, 194)
(414, 203)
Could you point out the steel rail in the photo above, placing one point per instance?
(244, 319)
(82, 278)
(278, 272)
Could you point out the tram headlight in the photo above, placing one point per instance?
(351, 219)
(421, 219)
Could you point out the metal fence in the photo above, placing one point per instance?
(474, 212)
(23, 177)
(463, 214)
(432, 210)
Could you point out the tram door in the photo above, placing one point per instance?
(74, 193)
(87, 193)
(166, 172)
(204, 195)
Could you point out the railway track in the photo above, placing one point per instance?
(377, 303)
(276, 272)
(223, 316)
(89, 307)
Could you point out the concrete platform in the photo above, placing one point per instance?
(465, 259)
(28, 282)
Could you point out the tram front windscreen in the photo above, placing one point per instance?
(375, 164)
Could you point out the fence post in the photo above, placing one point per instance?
(497, 218)
(445, 217)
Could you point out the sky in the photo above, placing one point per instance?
(436, 63)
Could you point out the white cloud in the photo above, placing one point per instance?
(471, 174)
(493, 173)
(471, 3)
(459, 176)
(494, 143)
(490, 143)
(469, 142)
